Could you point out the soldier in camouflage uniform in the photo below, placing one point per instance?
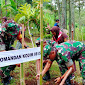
(7, 39)
(65, 53)
(62, 67)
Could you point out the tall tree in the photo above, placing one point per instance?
(64, 14)
(55, 10)
(79, 4)
(0, 7)
(6, 7)
(59, 12)
(79, 16)
(69, 19)
(72, 19)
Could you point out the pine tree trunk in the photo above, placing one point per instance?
(64, 14)
(79, 17)
(59, 13)
(55, 11)
(69, 20)
(72, 19)
(0, 8)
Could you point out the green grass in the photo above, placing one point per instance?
(80, 34)
(55, 70)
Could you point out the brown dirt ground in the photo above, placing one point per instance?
(50, 82)
(27, 39)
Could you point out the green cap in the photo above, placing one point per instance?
(38, 40)
(12, 29)
(46, 50)
(3, 29)
(10, 25)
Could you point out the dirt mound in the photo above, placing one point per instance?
(30, 82)
(27, 39)
(50, 82)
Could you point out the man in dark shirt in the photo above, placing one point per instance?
(57, 22)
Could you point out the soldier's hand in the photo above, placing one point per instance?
(58, 80)
(37, 76)
(45, 61)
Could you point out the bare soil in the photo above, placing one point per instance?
(50, 82)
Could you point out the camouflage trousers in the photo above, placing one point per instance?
(5, 71)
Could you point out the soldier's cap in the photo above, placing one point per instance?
(38, 40)
(46, 50)
(4, 18)
(12, 28)
(11, 25)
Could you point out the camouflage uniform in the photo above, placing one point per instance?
(51, 43)
(67, 52)
(62, 66)
(7, 39)
(47, 50)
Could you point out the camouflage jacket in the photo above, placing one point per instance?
(10, 34)
(65, 51)
(7, 38)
